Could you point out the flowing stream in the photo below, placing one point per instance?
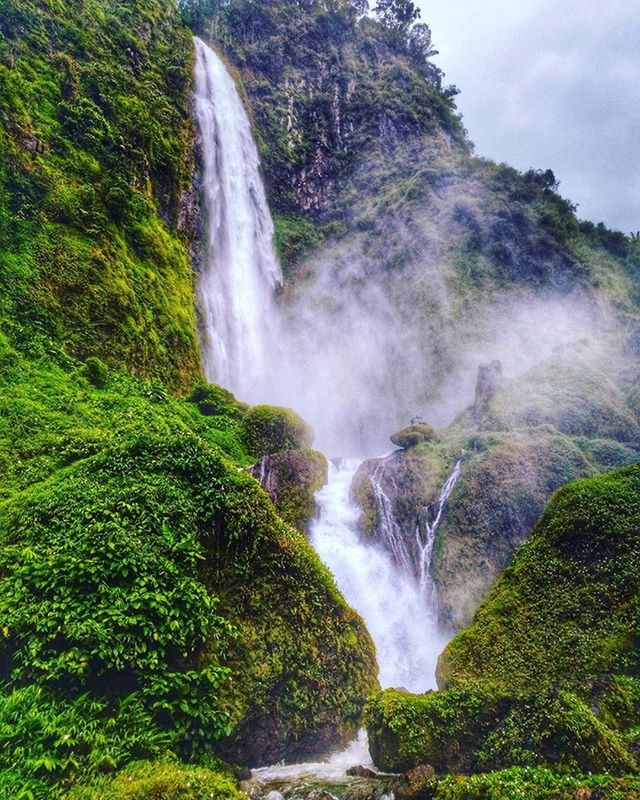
(237, 287)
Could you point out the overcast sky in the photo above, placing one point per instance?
(551, 83)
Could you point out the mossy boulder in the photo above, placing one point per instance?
(291, 479)
(479, 729)
(213, 400)
(566, 611)
(547, 671)
(271, 429)
(414, 435)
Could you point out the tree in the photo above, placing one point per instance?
(397, 15)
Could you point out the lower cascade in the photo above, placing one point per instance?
(398, 615)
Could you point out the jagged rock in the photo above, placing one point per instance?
(414, 435)
(487, 384)
(361, 772)
(292, 479)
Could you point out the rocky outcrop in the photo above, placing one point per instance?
(417, 433)
(291, 479)
(270, 429)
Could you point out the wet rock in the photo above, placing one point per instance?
(417, 784)
(361, 772)
(292, 479)
(274, 796)
(414, 435)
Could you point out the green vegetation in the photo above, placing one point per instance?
(547, 673)
(267, 430)
(95, 137)
(165, 780)
(150, 598)
(292, 479)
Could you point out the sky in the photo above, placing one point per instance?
(551, 84)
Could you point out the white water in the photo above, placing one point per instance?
(332, 769)
(236, 289)
(389, 599)
(426, 541)
(241, 272)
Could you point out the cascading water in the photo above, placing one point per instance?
(397, 613)
(236, 290)
(240, 271)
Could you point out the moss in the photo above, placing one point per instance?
(478, 729)
(269, 429)
(565, 610)
(96, 158)
(171, 567)
(292, 479)
(414, 435)
(160, 780)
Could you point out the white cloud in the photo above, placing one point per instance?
(551, 84)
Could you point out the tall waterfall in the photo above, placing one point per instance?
(240, 271)
(237, 289)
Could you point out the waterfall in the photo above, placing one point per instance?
(240, 272)
(397, 613)
(426, 541)
(236, 289)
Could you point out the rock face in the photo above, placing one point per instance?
(548, 670)
(291, 479)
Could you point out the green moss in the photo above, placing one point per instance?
(269, 429)
(165, 780)
(292, 479)
(478, 729)
(139, 563)
(96, 155)
(565, 611)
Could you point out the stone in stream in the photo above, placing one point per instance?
(274, 796)
(361, 772)
(415, 784)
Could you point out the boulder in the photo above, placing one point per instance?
(414, 435)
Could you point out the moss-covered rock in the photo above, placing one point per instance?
(291, 479)
(547, 671)
(96, 165)
(566, 610)
(270, 429)
(414, 435)
(476, 729)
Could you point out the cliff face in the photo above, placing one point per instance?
(97, 157)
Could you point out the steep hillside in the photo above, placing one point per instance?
(154, 605)
(95, 184)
